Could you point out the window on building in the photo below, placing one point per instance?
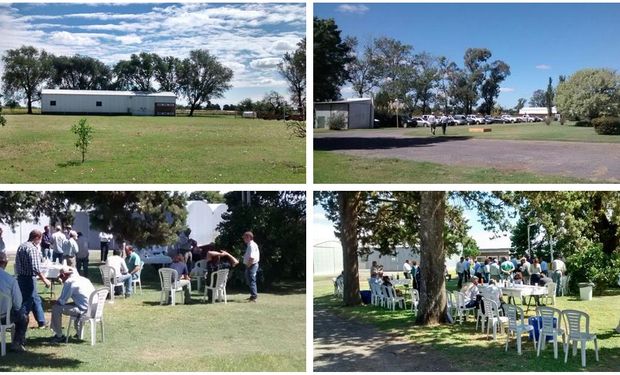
(52, 103)
(98, 104)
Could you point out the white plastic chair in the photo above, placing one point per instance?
(137, 281)
(451, 304)
(546, 328)
(7, 327)
(551, 288)
(339, 287)
(516, 325)
(415, 301)
(110, 281)
(218, 286)
(393, 299)
(574, 319)
(375, 293)
(94, 315)
(198, 273)
(461, 310)
(169, 279)
(493, 317)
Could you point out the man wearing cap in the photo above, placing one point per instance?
(28, 268)
(78, 289)
(10, 288)
(251, 259)
(58, 241)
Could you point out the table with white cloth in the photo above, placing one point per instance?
(522, 291)
(163, 260)
(51, 271)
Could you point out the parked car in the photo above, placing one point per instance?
(404, 121)
(475, 120)
(488, 119)
(528, 118)
(460, 119)
(422, 122)
(538, 119)
(508, 119)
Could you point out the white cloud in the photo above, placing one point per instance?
(129, 39)
(353, 8)
(543, 66)
(506, 89)
(72, 39)
(267, 63)
(283, 46)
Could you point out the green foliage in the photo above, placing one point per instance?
(583, 123)
(278, 221)
(470, 248)
(607, 125)
(2, 118)
(591, 264)
(293, 69)
(337, 122)
(331, 56)
(80, 73)
(209, 196)
(297, 128)
(538, 99)
(590, 93)
(548, 120)
(84, 133)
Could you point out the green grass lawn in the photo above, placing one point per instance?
(331, 166)
(125, 149)
(141, 335)
(469, 350)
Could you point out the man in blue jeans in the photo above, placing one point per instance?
(251, 259)
(27, 267)
(10, 289)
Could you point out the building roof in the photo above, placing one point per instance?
(106, 93)
(537, 110)
(347, 101)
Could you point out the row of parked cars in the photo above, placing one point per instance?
(426, 120)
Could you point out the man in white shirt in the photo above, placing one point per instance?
(407, 269)
(10, 288)
(459, 272)
(559, 268)
(71, 249)
(120, 269)
(58, 242)
(251, 259)
(76, 288)
(104, 243)
(494, 270)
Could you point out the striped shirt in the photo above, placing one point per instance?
(27, 261)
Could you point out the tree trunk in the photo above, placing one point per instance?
(349, 205)
(191, 110)
(29, 105)
(432, 309)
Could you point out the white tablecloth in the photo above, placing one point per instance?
(157, 259)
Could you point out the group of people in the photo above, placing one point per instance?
(528, 271)
(442, 121)
(73, 300)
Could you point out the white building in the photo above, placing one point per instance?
(108, 102)
(358, 113)
(537, 111)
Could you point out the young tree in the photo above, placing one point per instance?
(590, 93)
(80, 73)
(84, 133)
(26, 69)
(202, 77)
(331, 56)
(538, 99)
(293, 69)
(549, 96)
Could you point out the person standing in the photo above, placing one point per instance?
(104, 243)
(82, 255)
(251, 259)
(444, 123)
(535, 271)
(559, 269)
(28, 268)
(10, 288)
(467, 269)
(46, 243)
(71, 249)
(459, 272)
(58, 242)
(407, 269)
(507, 268)
(544, 267)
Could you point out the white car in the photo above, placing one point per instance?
(508, 118)
(473, 119)
(422, 122)
(460, 119)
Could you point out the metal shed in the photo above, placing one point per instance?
(358, 113)
(108, 102)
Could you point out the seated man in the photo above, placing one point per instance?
(471, 291)
(216, 260)
(184, 281)
(122, 272)
(78, 289)
(134, 265)
(10, 288)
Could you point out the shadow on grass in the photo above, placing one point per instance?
(30, 360)
(363, 143)
(70, 163)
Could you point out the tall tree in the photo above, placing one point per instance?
(520, 104)
(166, 73)
(495, 73)
(549, 98)
(332, 54)
(538, 99)
(590, 93)
(475, 66)
(447, 69)
(293, 69)
(426, 78)
(137, 73)
(361, 74)
(203, 78)
(26, 69)
(80, 73)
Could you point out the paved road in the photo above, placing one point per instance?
(344, 345)
(593, 161)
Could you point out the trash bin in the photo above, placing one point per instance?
(365, 294)
(585, 291)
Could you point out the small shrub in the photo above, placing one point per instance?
(562, 120)
(584, 123)
(548, 120)
(607, 125)
(84, 133)
(2, 118)
(337, 122)
(593, 265)
(297, 128)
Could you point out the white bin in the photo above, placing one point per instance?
(585, 293)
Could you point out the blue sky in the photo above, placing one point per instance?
(323, 229)
(248, 38)
(537, 40)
